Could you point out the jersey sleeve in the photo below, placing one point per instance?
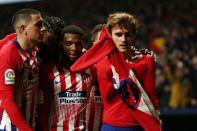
(6, 39)
(8, 68)
(145, 71)
(149, 81)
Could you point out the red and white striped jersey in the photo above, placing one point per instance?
(71, 93)
(94, 110)
(19, 82)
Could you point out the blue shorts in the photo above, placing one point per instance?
(107, 127)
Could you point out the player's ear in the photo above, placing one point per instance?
(22, 29)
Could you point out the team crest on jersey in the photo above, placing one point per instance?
(9, 77)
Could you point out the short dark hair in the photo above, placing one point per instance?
(23, 15)
(95, 31)
(73, 29)
(53, 25)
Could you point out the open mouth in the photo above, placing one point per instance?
(41, 37)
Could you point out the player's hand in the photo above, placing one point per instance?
(149, 52)
(136, 54)
(140, 53)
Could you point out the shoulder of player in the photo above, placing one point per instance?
(144, 60)
(7, 39)
(144, 64)
(10, 58)
(9, 51)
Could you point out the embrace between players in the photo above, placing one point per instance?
(49, 81)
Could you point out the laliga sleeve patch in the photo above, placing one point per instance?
(9, 77)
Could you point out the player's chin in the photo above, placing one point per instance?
(73, 57)
(123, 50)
(39, 42)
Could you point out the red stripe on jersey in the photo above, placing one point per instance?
(84, 82)
(90, 110)
(73, 82)
(62, 81)
(66, 125)
(84, 85)
(78, 87)
(56, 85)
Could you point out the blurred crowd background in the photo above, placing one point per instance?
(168, 27)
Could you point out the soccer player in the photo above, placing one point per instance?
(48, 53)
(127, 88)
(19, 72)
(95, 104)
(52, 35)
(95, 33)
(122, 27)
(68, 92)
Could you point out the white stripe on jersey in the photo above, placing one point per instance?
(71, 124)
(56, 81)
(60, 128)
(60, 119)
(67, 79)
(5, 123)
(79, 82)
